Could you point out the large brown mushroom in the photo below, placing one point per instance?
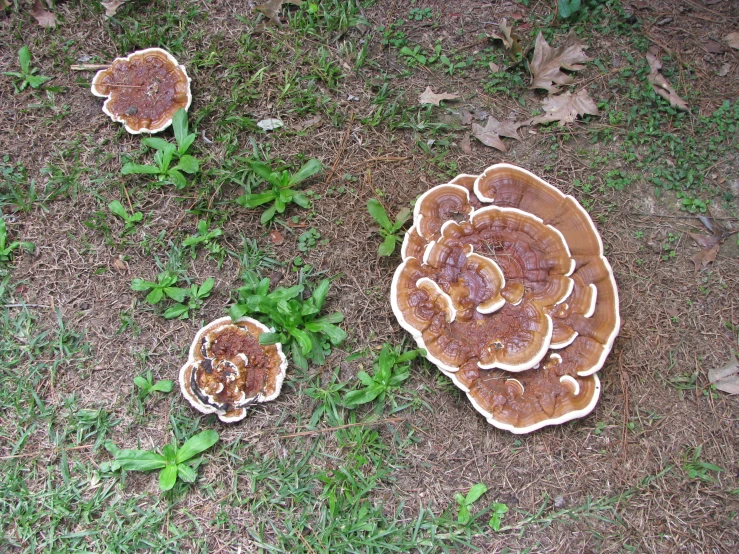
(143, 90)
(228, 370)
(504, 283)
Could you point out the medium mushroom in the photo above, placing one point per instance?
(143, 90)
(228, 370)
(504, 283)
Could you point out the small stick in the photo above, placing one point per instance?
(341, 149)
(24, 306)
(88, 67)
(42, 451)
(329, 429)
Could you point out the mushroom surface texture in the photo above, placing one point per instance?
(503, 281)
(228, 370)
(143, 90)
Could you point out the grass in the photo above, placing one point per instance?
(309, 473)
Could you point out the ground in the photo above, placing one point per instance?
(652, 469)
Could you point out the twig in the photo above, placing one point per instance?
(625, 408)
(88, 67)
(24, 306)
(693, 216)
(341, 150)
(385, 159)
(330, 429)
(41, 451)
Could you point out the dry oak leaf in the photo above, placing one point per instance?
(726, 378)
(44, 17)
(488, 135)
(271, 9)
(112, 7)
(429, 97)
(732, 39)
(659, 83)
(709, 244)
(546, 63)
(566, 107)
(510, 41)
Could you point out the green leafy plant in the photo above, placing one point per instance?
(415, 55)
(196, 296)
(147, 386)
(129, 220)
(499, 510)
(390, 370)
(389, 231)
(568, 8)
(6, 249)
(281, 193)
(173, 461)
(696, 469)
(464, 502)
(300, 329)
(166, 153)
(205, 237)
(308, 239)
(163, 287)
(450, 65)
(27, 74)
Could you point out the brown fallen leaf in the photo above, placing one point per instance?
(465, 145)
(732, 39)
(566, 107)
(704, 256)
(44, 17)
(112, 7)
(276, 237)
(547, 61)
(308, 123)
(488, 135)
(713, 47)
(271, 9)
(510, 40)
(709, 244)
(726, 378)
(659, 83)
(120, 265)
(429, 97)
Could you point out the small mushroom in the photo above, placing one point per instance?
(228, 369)
(143, 90)
(520, 265)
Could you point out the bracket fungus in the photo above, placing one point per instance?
(143, 90)
(228, 370)
(504, 283)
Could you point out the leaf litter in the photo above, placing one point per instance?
(659, 83)
(493, 130)
(565, 108)
(112, 7)
(709, 244)
(726, 378)
(430, 97)
(547, 61)
(44, 17)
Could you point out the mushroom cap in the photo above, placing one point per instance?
(520, 266)
(227, 370)
(531, 399)
(143, 90)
